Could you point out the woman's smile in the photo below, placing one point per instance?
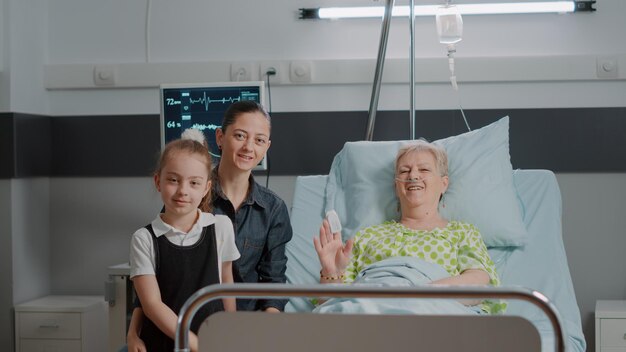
(415, 187)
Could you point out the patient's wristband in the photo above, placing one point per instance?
(332, 277)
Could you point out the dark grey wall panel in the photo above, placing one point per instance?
(32, 145)
(569, 140)
(7, 146)
(305, 143)
(25, 147)
(105, 145)
(562, 140)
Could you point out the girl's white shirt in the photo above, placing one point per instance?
(142, 256)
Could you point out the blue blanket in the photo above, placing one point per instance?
(397, 272)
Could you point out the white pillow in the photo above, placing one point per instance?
(361, 188)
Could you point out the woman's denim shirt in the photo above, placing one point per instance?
(262, 229)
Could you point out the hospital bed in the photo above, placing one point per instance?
(539, 263)
(533, 259)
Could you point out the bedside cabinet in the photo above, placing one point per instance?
(62, 323)
(611, 326)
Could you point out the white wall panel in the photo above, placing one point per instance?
(30, 219)
(6, 266)
(593, 213)
(196, 40)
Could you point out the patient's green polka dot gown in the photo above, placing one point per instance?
(457, 247)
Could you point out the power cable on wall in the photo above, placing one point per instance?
(147, 30)
(270, 72)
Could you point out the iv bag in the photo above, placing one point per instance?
(449, 24)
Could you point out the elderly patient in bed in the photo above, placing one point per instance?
(420, 248)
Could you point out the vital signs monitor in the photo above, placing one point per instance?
(202, 106)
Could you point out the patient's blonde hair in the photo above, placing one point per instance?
(420, 145)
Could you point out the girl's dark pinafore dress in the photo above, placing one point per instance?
(181, 271)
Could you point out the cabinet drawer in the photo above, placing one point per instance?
(49, 325)
(27, 345)
(613, 332)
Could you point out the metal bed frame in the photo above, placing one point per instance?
(209, 293)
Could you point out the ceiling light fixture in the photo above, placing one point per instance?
(465, 9)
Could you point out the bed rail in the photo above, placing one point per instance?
(209, 293)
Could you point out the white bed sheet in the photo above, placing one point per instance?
(540, 265)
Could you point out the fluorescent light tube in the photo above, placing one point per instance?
(464, 9)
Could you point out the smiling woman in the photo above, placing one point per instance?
(261, 219)
(421, 232)
(421, 180)
(244, 138)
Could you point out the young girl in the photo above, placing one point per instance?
(184, 248)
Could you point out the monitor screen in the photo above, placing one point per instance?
(202, 106)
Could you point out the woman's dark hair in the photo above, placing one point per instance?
(242, 107)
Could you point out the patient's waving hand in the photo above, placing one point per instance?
(334, 256)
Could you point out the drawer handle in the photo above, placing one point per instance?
(49, 326)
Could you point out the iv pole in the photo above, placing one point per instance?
(412, 69)
(380, 62)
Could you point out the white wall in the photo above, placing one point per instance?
(194, 31)
(24, 247)
(91, 218)
(2, 32)
(6, 265)
(4, 53)
(26, 45)
(30, 210)
(593, 234)
(26, 269)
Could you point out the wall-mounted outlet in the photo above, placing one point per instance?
(271, 66)
(104, 75)
(606, 67)
(300, 71)
(241, 71)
